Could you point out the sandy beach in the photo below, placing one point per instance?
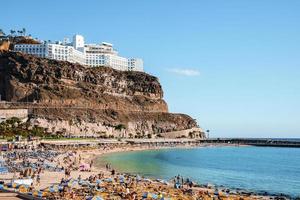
(75, 165)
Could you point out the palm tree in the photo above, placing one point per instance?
(138, 135)
(24, 31)
(12, 32)
(119, 127)
(207, 131)
(191, 134)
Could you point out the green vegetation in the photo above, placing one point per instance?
(120, 127)
(68, 139)
(102, 135)
(15, 127)
(21, 32)
(191, 134)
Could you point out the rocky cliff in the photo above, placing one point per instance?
(66, 97)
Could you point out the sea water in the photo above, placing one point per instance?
(258, 169)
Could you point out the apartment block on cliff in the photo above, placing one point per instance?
(91, 55)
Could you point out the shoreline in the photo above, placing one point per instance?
(98, 155)
(203, 187)
(94, 154)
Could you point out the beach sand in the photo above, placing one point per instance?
(77, 157)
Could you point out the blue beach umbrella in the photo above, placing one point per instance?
(95, 198)
(154, 196)
(108, 180)
(98, 181)
(3, 170)
(149, 195)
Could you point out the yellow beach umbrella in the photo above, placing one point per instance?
(23, 189)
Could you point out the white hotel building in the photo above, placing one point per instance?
(91, 55)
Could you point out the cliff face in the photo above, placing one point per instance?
(56, 83)
(89, 100)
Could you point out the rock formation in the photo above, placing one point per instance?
(70, 98)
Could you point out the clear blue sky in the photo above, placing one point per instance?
(233, 65)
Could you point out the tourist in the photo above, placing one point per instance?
(38, 179)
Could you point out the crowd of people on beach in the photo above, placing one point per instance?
(30, 159)
(94, 182)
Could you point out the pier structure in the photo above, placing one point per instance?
(270, 142)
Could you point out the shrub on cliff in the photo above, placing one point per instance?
(14, 126)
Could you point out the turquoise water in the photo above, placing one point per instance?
(274, 170)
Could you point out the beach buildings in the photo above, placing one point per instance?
(91, 55)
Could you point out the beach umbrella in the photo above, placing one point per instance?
(23, 181)
(53, 188)
(72, 183)
(108, 180)
(122, 179)
(84, 167)
(95, 198)
(38, 193)
(14, 185)
(23, 189)
(3, 170)
(35, 193)
(99, 189)
(98, 181)
(85, 183)
(149, 195)
(160, 196)
(145, 195)
(163, 181)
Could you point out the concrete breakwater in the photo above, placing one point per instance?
(271, 142)
(172, 142)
